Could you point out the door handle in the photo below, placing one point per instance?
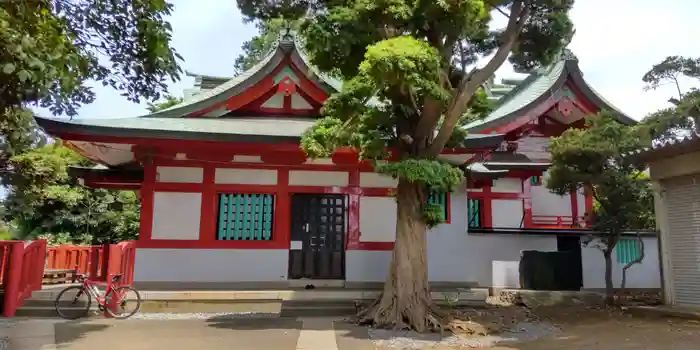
(306, 227)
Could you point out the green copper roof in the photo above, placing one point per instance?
(534, 86)
(537, 88)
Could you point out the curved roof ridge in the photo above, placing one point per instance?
(231, 83)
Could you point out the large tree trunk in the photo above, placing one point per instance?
(609, 288)
(405, 301)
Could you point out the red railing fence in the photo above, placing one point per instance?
(84, 258)
(22, 266)
(22, 272)
(559, 221)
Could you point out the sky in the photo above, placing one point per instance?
(616, 42)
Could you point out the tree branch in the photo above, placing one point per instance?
(638, 260)
(472, 81)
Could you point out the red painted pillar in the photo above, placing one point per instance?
(574, 207)
(487, 206)
(147, 191)
(353, 236)
(207, 216)
(588, 195)
(283, 210)
(527, 203)
(13, 279)
(113, 262)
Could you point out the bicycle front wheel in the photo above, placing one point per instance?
(73, 303)
(128, 302)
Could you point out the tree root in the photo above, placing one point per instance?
(422, 315)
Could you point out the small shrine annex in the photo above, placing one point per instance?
(228, 197)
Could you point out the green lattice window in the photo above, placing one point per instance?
(245, 217)
(474, 213)
(627, 250)
(439, 198)
(536, 180)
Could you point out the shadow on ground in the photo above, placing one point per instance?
(43, 334)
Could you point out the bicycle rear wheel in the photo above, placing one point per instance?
(128, 302)
(73, 303)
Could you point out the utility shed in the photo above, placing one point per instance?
(675, 171)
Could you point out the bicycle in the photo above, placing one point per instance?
(109, 302)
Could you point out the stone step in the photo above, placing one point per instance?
(273, 308)
(473, 294)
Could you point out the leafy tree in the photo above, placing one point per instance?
(255, 49)
(415, 60)
(684, 114)
(166, 103)
(51, 48)
(593, 158)
(18, 133)
(43, 201)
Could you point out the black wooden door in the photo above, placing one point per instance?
(318, 226)
(573, 269)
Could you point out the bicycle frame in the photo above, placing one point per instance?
(90, 287)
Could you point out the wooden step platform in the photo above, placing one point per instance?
(59, 276)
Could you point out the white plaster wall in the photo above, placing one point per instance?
(318, 178)
(545, 203)
(507, 212)
(210, 265)
(377, 180)
(179, 174)
(176, 215)
(377, 219)
(495, 258)
(245, 176)
(456, 256)
(366, 265)
(507, 185)
(644, 275)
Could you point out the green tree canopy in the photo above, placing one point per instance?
(683, 116)
(593, 159)
(53, 47)
(43, 201)
(409, 74)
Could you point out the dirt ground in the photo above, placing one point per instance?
(584, 328)
(581, 328)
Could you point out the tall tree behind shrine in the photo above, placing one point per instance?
(409, 74)
(683, 116)
(51, 49)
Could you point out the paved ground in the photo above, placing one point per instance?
(244, 334)
(581, 330)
